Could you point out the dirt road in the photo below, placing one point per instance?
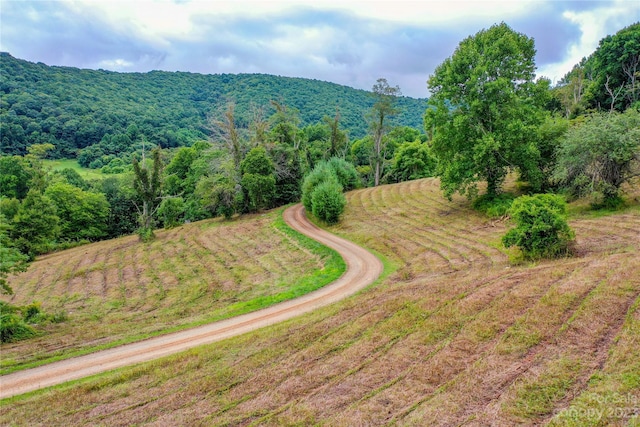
(362, 269)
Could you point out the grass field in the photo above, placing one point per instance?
(85, 173)
(455, 336)
(121, 290)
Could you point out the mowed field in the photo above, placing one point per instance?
(122, 290)
(456, 335)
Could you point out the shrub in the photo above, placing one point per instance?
(345, 172)
(328, 202)
(541, 227)
(13, 328)
(322, 188)
(494, 206)
(321, 173)
(600, 155)
(146, 234)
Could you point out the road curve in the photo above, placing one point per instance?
(363, 268)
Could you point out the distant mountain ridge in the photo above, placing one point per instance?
(74, 108)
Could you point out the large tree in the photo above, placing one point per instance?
(83, 214)
(484, 111)
(36, 224)
(383, 109)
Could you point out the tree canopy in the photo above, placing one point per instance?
(98, 114)
(484, 110)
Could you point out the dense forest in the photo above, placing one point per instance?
(75, 108)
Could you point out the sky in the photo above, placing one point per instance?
(347, 42)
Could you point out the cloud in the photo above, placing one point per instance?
(347, 42)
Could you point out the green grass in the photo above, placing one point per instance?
(85, 173)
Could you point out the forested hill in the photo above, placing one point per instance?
(73, 108)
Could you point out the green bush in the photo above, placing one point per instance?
(345, 172)
(321, 173)
(31, 313)
(13, 328)
(146, 234)
(541, 227)
(328, 202)
(494, 206)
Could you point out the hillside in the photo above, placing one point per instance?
(122, 290)
(456, 335)
(74, 108)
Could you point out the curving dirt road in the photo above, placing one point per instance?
(362, 269)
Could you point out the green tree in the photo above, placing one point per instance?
(284, 125)
(72, 177)
(147, 183)
(337, 138)
(601, 154)
(616, 70)
(345, 172)
(82, 214)
(321, 172)
(413, 160)
(571, 90)
(541, 227)
(171, 210)
(383, 108)
(123, 215)
(11, 259)
(484, 111)
(258, 179)
(15, 175)
(36, 225)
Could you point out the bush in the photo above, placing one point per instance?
(328, 202)
(13, 328)
(146, 234)
(322, 188)
(600, 155)
(260, 189)
(494, 206)
(345, 172)
(541, 227)
(321, 173)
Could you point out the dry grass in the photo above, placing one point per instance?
(119, 290)
(456, 336)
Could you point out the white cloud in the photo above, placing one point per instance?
(594, 24)
(347, 42)
(118, 64)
